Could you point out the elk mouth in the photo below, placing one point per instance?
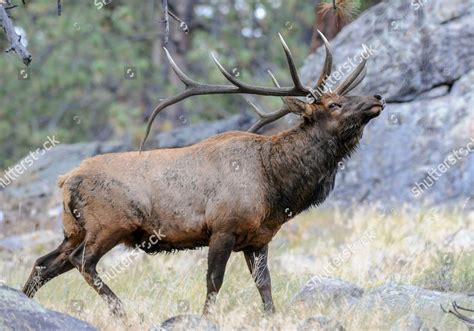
(373, 110)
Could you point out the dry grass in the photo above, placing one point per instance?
(424, 248)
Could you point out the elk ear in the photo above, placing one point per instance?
(298, 107)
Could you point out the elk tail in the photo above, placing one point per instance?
(62, 179)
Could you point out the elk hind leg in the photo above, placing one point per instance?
(50, 266)
(85, 258)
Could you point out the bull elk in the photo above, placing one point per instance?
(194, 196)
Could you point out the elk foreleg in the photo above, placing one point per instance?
(220, 248)
(258, 267)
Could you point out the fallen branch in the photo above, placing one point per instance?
(13, 38)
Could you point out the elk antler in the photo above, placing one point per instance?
(265, 118)
(327, 68)
(458, 314)
(195, 88)
(353, 79)
(298, 89)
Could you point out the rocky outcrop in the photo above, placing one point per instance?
(421, 61)
(385, 305)
(391, 306)
(17, 312)
(197, 132)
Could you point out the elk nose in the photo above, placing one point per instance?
(382, 100)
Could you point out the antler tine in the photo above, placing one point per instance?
(274, 80)
(266, 118)
(342, 89)
(357, 81)
(291, 65)
(327, 61)
(181, 75)
(227, 74)
(256, 108)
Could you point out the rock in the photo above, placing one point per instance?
(30, 240)
(410, 322)
(40, 178)
(422, 64)
(415, 49)
(320, 323)
(186, 322)
(18, 312)
(391, 305)
(326, 293)
(195, 133)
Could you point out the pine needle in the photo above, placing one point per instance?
(345, 10)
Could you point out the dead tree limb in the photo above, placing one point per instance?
(13, 38)
(164, 5)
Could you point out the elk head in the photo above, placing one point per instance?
(343, 114)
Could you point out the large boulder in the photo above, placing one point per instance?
(390, 306)
(18, 312)
(422, 61)
(324, 293)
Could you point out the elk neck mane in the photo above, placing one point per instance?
(302, 163)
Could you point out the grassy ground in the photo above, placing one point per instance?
(427, 248)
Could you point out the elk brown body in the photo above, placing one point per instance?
(231, 192)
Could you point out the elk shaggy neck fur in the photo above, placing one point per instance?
(302, 164)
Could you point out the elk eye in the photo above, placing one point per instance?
(334, 106)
